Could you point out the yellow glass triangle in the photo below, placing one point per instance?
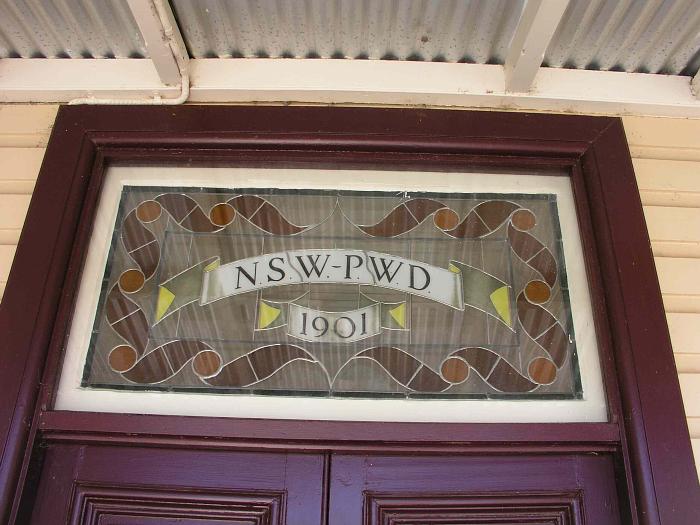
(165, 299)
(398, 314)
(454, 269)
(501, 301)
(212, 265)
(267, 314)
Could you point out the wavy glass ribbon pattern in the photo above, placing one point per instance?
(336, 294)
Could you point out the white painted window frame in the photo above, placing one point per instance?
(71, 396)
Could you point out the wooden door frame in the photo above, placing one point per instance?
(647, 432)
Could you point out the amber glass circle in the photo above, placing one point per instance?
(524, 220)
(131, 281)
(446, 219)
(542, 371)
(537, 292)
(222, 214)
(148, 211)
(454, 370)
(122, 358)
(206, 363)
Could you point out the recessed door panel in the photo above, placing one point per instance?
(562, 490)
(88, 485)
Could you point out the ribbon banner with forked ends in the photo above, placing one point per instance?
(457, 286)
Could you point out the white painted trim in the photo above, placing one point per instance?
(366, 82)
(158, 26)
(537, 24)
(695, 85)
(172, 34)
(61, 80)
(438, 85)
(157, 44)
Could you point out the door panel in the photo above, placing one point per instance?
(562, 490)
(145, 486)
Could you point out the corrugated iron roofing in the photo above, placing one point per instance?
(654, 36)
(69, 29)
(443, 30)
(642, 36)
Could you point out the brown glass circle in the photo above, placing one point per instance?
(454, 370)
(122, 358)
(148, 211)
(206, 363)
(222, 214)
(131, 281)
(446, 219)
(542, 371)
(524, 220)
(538, 292)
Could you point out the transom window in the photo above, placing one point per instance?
(331, 292)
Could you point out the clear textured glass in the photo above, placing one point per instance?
(335, 293)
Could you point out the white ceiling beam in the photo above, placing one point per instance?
(52, 80)
(157, 42)
(361, 82)
(537, 24)
(437, 84)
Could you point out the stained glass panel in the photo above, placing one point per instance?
(336, 294)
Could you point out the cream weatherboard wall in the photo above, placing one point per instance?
(666, 155)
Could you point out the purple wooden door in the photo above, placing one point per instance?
(513, 490)
(116, 485)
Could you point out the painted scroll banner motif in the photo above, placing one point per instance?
(458, 286)
(309, 324)
(333, 266)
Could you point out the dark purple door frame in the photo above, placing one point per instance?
(647, 432)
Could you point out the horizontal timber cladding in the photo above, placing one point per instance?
(666, 157)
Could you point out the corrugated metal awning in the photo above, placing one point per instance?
(654, 36)
(69, 29)
(636, 36)
(449, 30)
